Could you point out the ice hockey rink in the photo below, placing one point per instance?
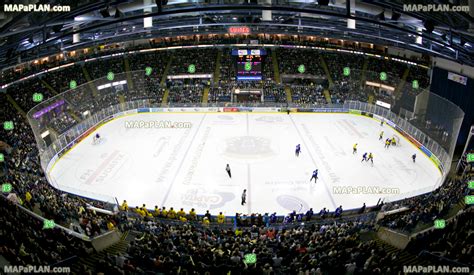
(184, 166)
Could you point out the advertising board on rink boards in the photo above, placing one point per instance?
(184, 109)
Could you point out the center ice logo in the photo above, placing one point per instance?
(248, 147)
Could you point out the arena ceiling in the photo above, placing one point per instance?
(30, 35)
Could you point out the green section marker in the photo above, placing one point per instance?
(346, 71)
(469, 200)
(8, 125)
(250, 258)
(6, 188)
(383, 76)
(191, 69)
(110, 76)
(301, 69)
(415, 84)
(148, 71)
(248, 66)
(73, 84)
(439, 224)
(2, 157)
(471, 184)
(48, 224)
(37, 97)
(470, 157)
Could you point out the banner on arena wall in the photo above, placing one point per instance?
(129, 112)
(330, 110)
(457, 78)
(245, 109)
(382, 104)
(266, 109)
(426, 151)
(230, 109)
(409, 137)
(367, 114)
(305, 110)
(143, 110)
(356, 112)
(134, 111)
(188, 109)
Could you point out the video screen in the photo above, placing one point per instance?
(249, 67)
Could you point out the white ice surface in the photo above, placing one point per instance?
(186, 167)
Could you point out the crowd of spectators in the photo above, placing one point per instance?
(347, 90)
(228, 70)
(23, 92)
(221, 92)
(204, 61)
(336, 63)
(273, 92)
(424, 209)
(316, 249)
(28, 68)
(289, 61)
(419, 74)
(267, 68)
(24, 240)
(375, 66)
(455, 242)
(101, 67)
(308, 94)
(60, 79)
(28, 181)
(186, 93)
(61, 120)
(157, 60)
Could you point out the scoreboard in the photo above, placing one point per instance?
(249, 63)
(241, 52)
(249, 67)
